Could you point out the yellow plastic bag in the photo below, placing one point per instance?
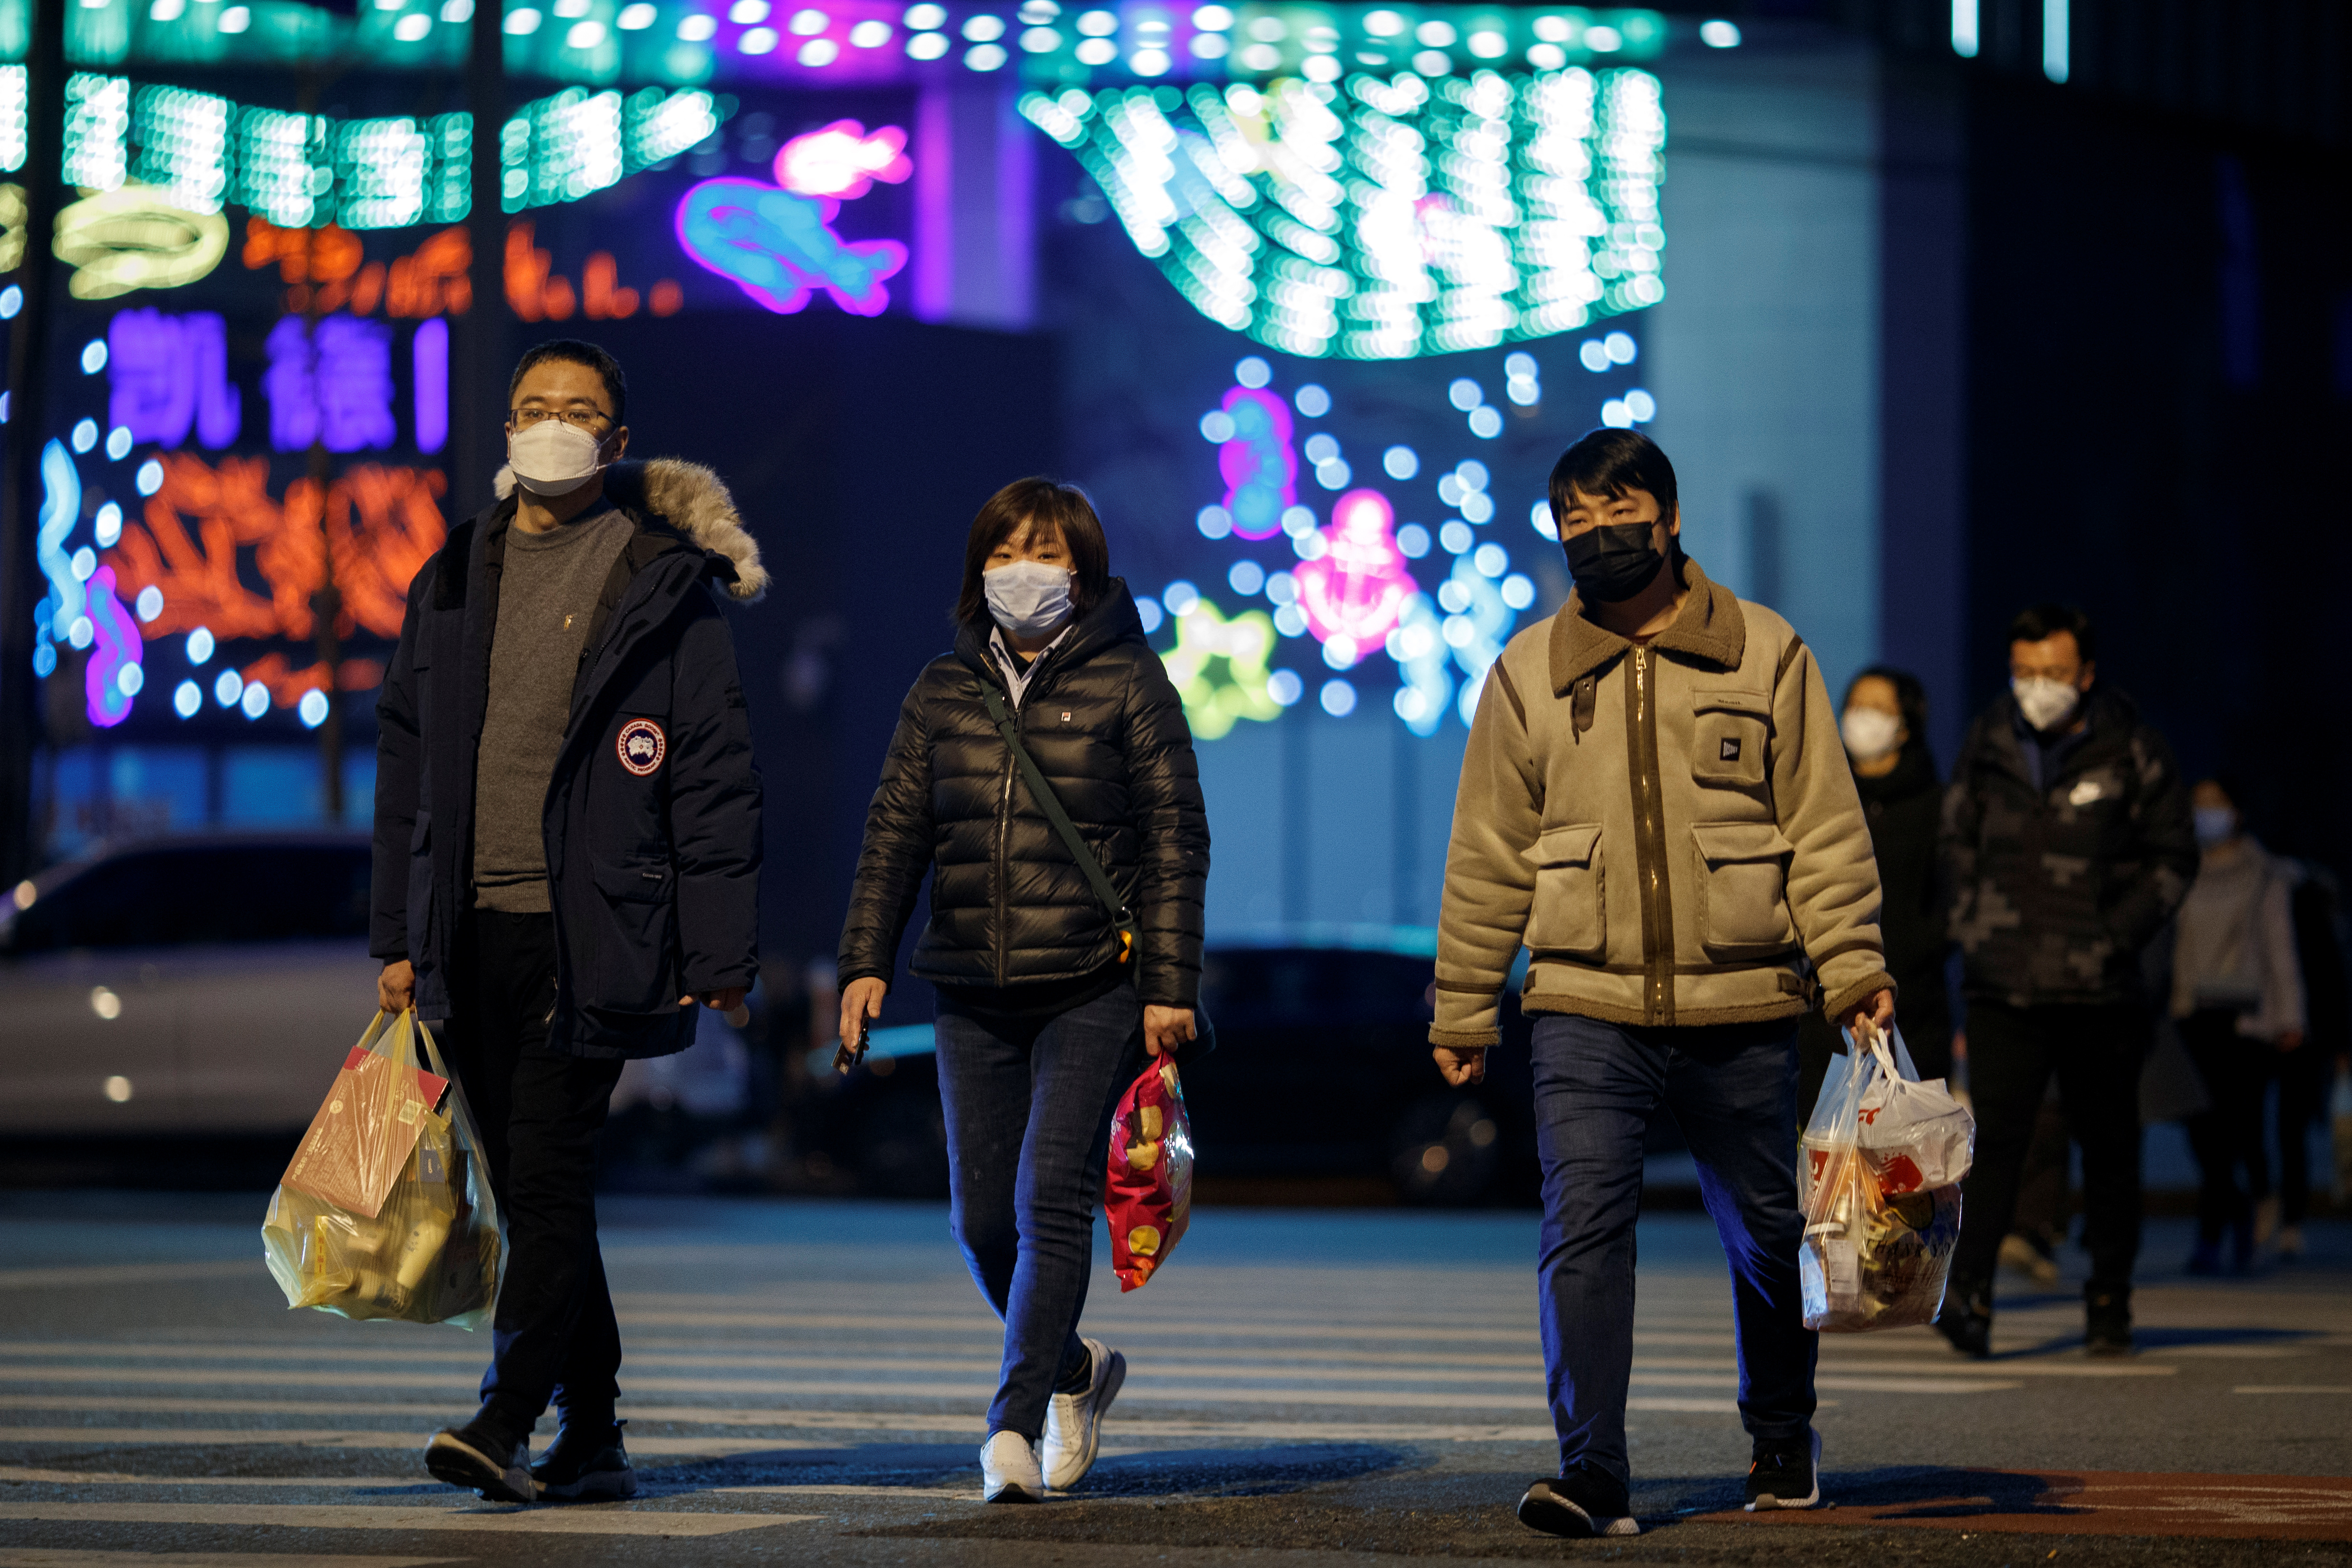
(385, 1210)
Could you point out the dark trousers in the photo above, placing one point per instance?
(2227, 1135)
(554, 1336)
(2304, 1075)
(1028, 1104)
(2096, 1053)
(1733, 1090)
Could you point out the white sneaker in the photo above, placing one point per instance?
(1008, 1471)
(1074, 1421)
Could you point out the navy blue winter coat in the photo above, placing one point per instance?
(652, 820)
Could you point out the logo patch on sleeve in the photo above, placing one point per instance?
(642, 746)
(1731, 748)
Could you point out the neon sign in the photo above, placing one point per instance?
(113, 675)
(129, 238)
(1219, 668)
(537, 292)
(780, 248)
(382, 525)
(326, 269)
(332, 386)
(1353, 592)
(843, 161)
(169, 374)
(59, 617)
(1258, 463)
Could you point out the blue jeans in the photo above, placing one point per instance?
(1028, 1104)
(1732, 1089)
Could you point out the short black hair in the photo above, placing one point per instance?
(1607, 463)
(574, 351)
(2036, 622)
(1910, 696)
(1042, 503)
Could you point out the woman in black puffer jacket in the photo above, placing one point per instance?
(1043, 1017)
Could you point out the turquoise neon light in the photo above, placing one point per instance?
(1385, 218)
(63, 605)
(781, 248)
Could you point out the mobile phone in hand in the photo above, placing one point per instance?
(849, 1053)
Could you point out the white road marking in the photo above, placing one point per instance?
(114, 1478)
(2293, 1388)
(956, 1494)
(331, 1437)
(365, 1516)
(65, 1276)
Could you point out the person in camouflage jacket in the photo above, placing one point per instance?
(2067, 843)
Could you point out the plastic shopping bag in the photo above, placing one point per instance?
(1884, 1156)
(1148, 1192)
(385, 1210)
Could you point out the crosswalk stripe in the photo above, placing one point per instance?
(388, 1516)
(341, 1438)
(71, 1557)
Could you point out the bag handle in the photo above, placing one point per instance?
(1121, 917)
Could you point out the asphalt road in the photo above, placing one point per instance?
(805, 1384)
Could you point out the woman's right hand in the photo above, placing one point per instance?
(861, 1001)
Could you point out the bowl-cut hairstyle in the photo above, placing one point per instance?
(1042, 503)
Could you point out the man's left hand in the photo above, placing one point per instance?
(1878, 1011)
(1165, 1028)
(730, 1002)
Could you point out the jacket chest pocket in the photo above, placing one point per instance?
(1743, 894)
(1569, 914)
(1730, 728)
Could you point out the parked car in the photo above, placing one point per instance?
(1321, 1069)
(204, 984)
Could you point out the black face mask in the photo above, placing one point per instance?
(1613, 562)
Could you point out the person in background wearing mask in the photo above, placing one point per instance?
(1654, 803)
(1884, 727)
(567, 860)
(2237, 992)
(2067, 845)
(1044, 1014)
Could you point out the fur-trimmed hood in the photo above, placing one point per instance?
(691, 499)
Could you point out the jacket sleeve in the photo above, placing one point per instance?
(399, 766)
(1958, 845)
(1490, 884)
(1171, 824)
(714, 811)
(2166, 857)
(1832, 884)
(2283, 1011)
(897, 852)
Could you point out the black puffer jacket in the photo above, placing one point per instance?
(1009, 905)
(2055, 893)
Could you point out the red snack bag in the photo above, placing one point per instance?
(1148, 1193)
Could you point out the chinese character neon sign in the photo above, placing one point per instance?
(169, 374)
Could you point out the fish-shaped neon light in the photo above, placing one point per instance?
(780, 248)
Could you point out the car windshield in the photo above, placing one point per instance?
(182, 895)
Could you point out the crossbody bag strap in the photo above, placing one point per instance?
(1051, 805)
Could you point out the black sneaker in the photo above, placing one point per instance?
(2106, 1321)
(1786, 1473)
(1967, 1321)
(483, 1458)
(1583, 1502)
(586, 1463)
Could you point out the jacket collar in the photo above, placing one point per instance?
(683, 499)
(1114, 620)
(1710, 627)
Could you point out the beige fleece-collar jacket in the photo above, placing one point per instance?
(1671, 830)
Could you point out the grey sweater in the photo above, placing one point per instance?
(2236, 947)
(546, 596)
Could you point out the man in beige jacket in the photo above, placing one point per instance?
(1657, 804)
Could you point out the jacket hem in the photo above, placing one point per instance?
(1465, 1039)
(1684, 1017)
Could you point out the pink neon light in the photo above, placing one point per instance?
(1259, 465)
(843, 160)
(117, 647)
(1360, 585)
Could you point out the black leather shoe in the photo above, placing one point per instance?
(1967, 1321)
(586, 1463)
(1583, 1502)
(483, 1458)
(2106, 1321)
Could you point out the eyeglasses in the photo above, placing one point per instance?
(579, 418)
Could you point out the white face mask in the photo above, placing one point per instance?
(1870, 732)
(554, 456)
(1028, 598)
(2042, 700)
(2215, 824)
